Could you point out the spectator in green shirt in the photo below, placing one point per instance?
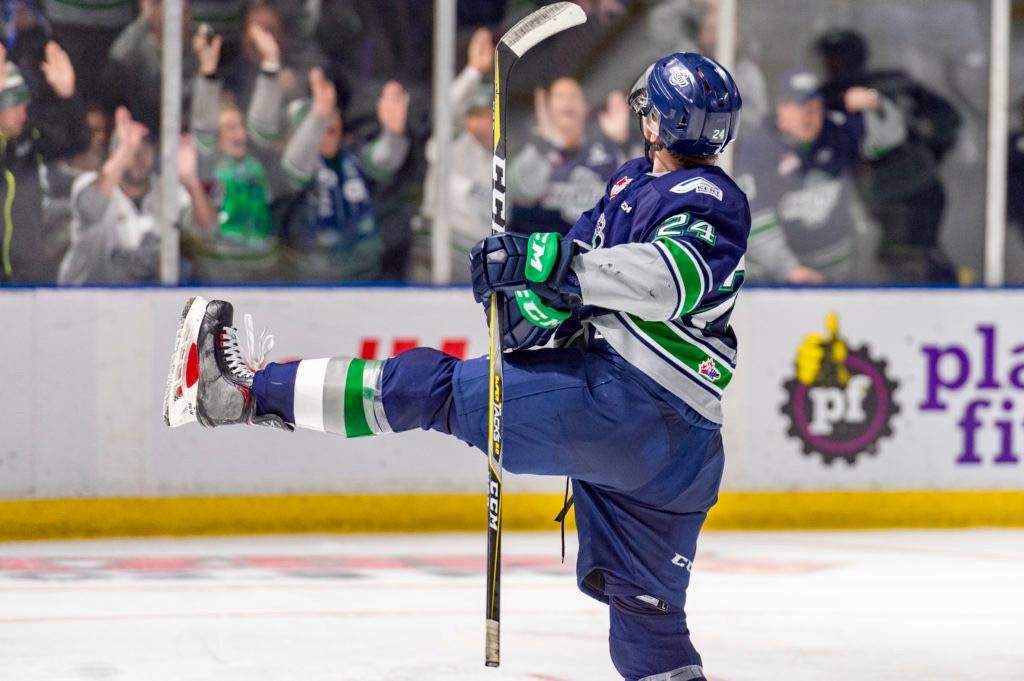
(236, 150)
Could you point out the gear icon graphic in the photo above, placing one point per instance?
(849, 438)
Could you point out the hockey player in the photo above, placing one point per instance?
(628, 404)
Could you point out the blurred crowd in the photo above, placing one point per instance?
(306, 152)
(297, 161)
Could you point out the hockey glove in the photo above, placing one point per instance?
(535, 269)
(520, 332)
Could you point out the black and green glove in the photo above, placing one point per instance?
(535, 269)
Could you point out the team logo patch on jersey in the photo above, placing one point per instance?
(699, 185)
(841, 401)
(709, 371)
(621, 184)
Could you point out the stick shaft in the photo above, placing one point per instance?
(538, 26)
(492, 646)
(492, 649)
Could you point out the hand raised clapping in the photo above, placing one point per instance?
(188, 162)
(266, 45)
(325, 95)
(546, 128)
(58, 71)
(393, 107)
(480, 56)
(615, 118)
(128, 133)
(207, 46)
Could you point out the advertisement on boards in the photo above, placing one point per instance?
(878, 389)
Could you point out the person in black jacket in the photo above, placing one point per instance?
(33, 132)
(901, 189)
(1015, 174)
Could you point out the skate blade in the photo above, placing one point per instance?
(183, 377)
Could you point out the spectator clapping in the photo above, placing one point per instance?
(52, 128)
(242, 246)
(469, 183)
(563, 169)
(331, 230)
(114, 229)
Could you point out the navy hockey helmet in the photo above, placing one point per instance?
(691, 101)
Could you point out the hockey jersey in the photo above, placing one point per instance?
(660, 274)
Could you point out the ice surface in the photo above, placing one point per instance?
(796, 606)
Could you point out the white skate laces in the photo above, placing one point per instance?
(245, 359)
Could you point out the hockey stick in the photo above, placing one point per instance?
(538, 26)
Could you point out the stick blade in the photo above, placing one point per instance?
(542, 24)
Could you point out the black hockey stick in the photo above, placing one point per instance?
(538, 26)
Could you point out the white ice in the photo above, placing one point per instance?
(934, 605)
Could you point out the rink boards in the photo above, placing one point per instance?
(912, 415)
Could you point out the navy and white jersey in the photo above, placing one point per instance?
(660, 278)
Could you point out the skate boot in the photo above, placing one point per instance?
(210, 379)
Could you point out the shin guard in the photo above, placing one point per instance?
(340, 395)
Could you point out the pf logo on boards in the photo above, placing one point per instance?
(841, 402)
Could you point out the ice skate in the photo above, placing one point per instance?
(210, 378)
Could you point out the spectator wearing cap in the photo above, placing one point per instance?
(330, 228)
(901, 189)
(238, 161)
(115, 236)
(53, 127)
(801, 227)
(563, 169)
(797, 177)
(469, 184)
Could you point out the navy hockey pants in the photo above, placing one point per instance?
(645, 467)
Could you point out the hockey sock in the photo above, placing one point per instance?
(647, 644)
(340, 395)
(274, 389)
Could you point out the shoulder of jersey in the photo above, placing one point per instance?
(628, 172)
(708, 186)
